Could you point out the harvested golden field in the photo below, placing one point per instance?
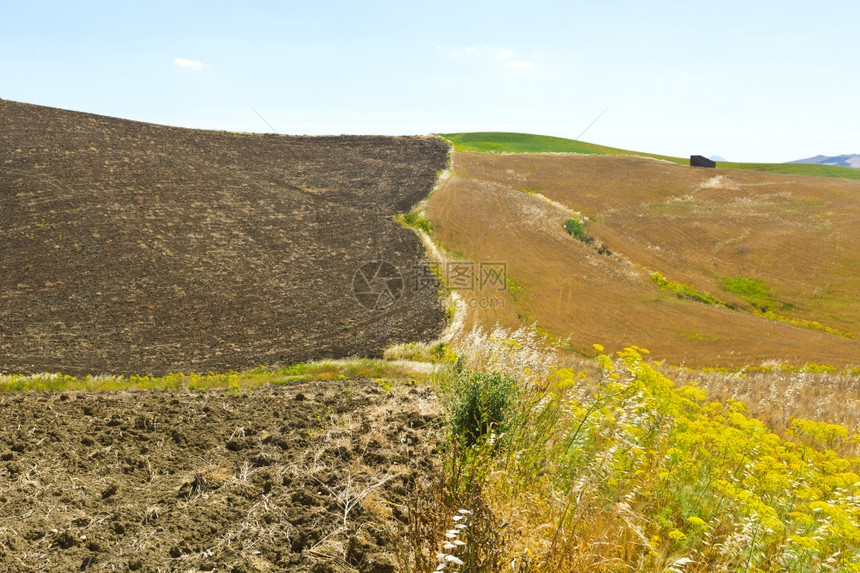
(781, 253)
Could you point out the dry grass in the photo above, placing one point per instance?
(247, 380)
(659, 476)
(777, 396)
(795, 234)
(617, 468)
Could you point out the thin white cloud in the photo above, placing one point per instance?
(521, 65)
(487, 53)
(183, 63)
(477, 51)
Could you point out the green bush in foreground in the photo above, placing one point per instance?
(481, 405)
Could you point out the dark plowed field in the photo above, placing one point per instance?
(134, 248)
(307, 477)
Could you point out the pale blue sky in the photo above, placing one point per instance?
(751, 81)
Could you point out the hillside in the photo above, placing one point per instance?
(132, 248)
(502, 142)
(778, 252)
(136, 248)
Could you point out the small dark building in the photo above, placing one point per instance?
(699, 161)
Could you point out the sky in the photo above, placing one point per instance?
(746, 80)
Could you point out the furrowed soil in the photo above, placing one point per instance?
(130, 248)
(797, 235)
(303, 477)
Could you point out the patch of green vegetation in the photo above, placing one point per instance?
(576, 229)
(531, 191)
(514, 288)
(434, 352)
(504, 142)
(480, 405)
(757, 294)
(228, 381)
(812, 367)
(454, 254)
(700, 336)
(752, 291)
(810, 324)
(808, 169)
(384, 384)
(684, 291)
(553, 340)
(450, 312)
(416, 220)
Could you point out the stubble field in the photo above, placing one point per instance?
(700, 228)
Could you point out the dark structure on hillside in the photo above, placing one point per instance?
(699, 161)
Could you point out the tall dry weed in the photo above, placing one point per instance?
(775, 396)
(617, 467)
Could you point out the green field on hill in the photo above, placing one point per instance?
(503, 142)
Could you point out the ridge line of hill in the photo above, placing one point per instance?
(508, 142)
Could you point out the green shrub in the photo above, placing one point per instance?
(481, 403)
(755, 292)
(416, 220)
(575, 229)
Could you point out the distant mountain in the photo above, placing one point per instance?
(841, 160)
(717, 158)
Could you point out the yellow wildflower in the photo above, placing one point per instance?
(696, 521)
